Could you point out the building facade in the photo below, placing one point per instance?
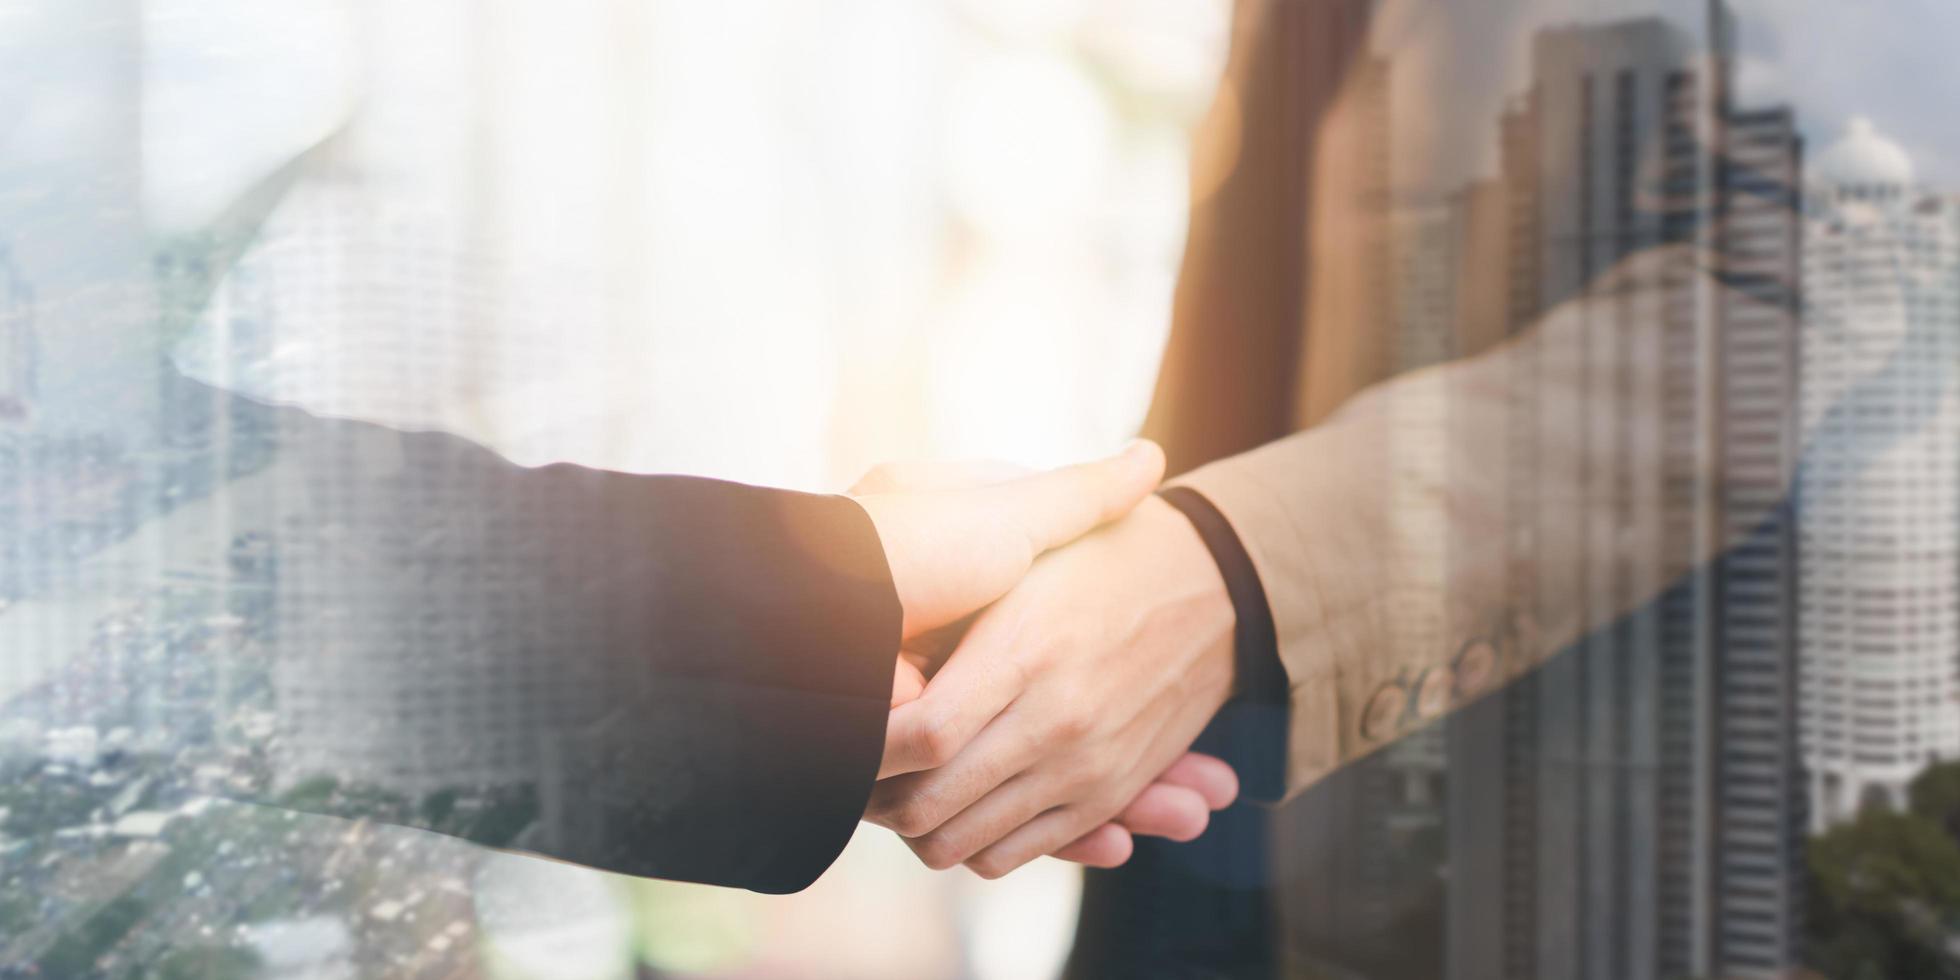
(1634, 809)
(361, 305)
(19, 348)
(1639, 821)
(1880, 516)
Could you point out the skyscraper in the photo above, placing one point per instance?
(1880, 517)
(1632, 810)
(354, 303)
(20, 560)
(19, 360)
(1757, 801)
(1645, 779)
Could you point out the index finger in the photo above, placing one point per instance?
(977, 684)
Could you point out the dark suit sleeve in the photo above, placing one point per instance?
(655, 675)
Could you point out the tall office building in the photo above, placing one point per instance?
(19, 354)
(1361, 844)
(1880, 516)
(404, 662)
(1757, 803)
(1368, 843)
(1431, 251)
(18, 509)
(1639, 790)
(1368, 839)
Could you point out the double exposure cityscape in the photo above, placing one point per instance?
(218, 710)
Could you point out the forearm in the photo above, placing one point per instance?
(1450, 529)
(662, 676)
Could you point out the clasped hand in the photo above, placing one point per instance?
(1102, 645)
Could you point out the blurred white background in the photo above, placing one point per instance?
(766, 240)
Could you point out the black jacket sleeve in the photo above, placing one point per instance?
(655, 675)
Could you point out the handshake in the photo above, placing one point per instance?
(1067, 636)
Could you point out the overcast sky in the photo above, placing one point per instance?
(1894, 61)
(1458, 61)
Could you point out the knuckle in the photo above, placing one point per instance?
(937, 738)
(989, 867)
(1071, 726)
(914, 817)
(937, 851)
(881, 813)
(1024, 664)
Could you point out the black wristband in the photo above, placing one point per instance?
(1259, 676)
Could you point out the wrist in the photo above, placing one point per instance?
(1199, 597)
(1252, 731)
(1258, 675)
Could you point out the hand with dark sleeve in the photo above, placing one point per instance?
(655, 675)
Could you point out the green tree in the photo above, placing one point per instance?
(437, 806)
(313, 795)
(1935, 796)
(1884, 898)
(208, 963)
(75, 953)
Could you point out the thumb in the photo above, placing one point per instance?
(954, 551)
(908, 681)
(1057, 506)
